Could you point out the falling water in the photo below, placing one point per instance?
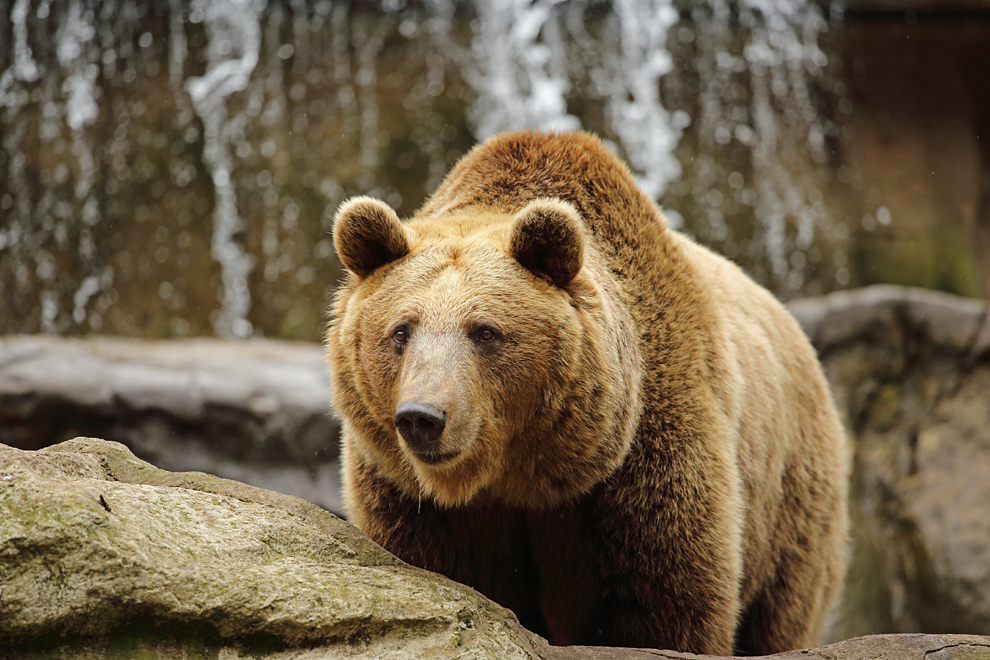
(521, 64)
(781, 60)
(648, 132)
(75, 56)
(171, 168)
(515, 64)
(234, 43)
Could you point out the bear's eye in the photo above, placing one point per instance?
(400, 336)
(485, 334)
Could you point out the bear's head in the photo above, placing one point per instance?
(481, 354)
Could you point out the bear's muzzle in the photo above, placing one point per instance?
(421, 425)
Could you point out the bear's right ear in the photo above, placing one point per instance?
(367, 234)
(548, 241)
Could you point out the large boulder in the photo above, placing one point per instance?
(910, 370)
(100, 550)
(103, 555)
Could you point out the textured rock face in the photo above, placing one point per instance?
(910, 370)
(96, 545)
(875, 647)
(256, 411)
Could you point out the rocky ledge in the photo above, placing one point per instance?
(104, 555)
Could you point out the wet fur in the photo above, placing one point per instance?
(653, 460)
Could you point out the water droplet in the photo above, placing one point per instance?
(407, 28)
(305, 275)
(242, 328)
(883, 215)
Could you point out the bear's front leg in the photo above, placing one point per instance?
(670, 561)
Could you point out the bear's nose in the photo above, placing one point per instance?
(421, 425)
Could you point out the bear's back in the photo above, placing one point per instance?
(510, 170)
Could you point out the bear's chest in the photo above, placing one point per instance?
(562, 551)
(538, 564)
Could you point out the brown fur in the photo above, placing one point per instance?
(647, 453)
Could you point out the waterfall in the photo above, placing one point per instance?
(780, 58)
(527, 57)
(649, 133)
(173, 169)
(234, 44)
(522, 69)
(75, 55)
(24, 68)
(515, 66)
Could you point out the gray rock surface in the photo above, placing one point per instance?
(99, 550)
(873, 647)
(910, 370)
(256, 411)
(105, 556)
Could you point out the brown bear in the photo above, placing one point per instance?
(549, 395)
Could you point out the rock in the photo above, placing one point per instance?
(873, 647)
(103, 555)
(99, 550)
(256, 410)
(910, 370)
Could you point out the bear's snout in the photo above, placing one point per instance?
(421, 424)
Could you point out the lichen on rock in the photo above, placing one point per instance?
(96, 544)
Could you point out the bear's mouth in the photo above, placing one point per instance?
(434, 457)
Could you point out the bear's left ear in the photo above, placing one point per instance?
(548, 241)
(367, 234)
